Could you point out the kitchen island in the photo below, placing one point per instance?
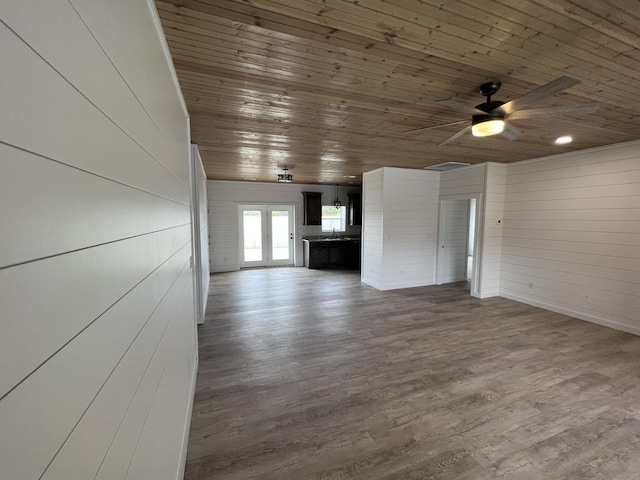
(332, 252)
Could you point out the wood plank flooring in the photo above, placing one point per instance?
(311, 375)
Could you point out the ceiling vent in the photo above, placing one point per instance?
(444, 167)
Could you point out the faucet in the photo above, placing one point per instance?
(334, 233)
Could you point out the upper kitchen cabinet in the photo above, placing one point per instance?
(355, 209)
(312, 208)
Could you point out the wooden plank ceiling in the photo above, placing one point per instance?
(327, 88)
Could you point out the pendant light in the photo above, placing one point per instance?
(285, 176)
(337, 203)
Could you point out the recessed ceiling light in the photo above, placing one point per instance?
(563, 140)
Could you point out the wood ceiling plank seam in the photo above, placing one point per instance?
(585, 14)
(517, 55)
(501, 22)
(340, 89)
(303, 52)
(181, 48)
(354, 114)
(323, 34)
(591, 38)
(350, 42)
(315, 91)
(346, 65)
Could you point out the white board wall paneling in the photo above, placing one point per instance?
(176, 338)
(70, 122)
(492, 232)
(70, 380)
(83, 452)
(149, 459)
(88, 68)
(410, 200)
(463, 181)
(68, 292)
(71, 209)
(571, 238)
(130, 31)
(225, 196)
(372, 228)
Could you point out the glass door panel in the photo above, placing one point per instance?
(252, 236)
(280, 233)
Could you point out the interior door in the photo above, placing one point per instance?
(266, 235)
(454, 235)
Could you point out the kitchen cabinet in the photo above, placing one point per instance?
(312, 208)
(355, 209)
(332, 253)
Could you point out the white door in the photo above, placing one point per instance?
(454, 235)
(266, 235)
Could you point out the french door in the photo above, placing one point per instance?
(266, 235)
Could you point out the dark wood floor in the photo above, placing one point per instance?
(308, 374)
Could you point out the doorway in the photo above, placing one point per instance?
(266, 235)
(458, 249)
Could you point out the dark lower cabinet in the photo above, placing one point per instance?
(332, 254)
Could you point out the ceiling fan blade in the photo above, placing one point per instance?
(453, 137)
(582, 109)
(422, 129)
(460, 107)
(510, 132)
(539, 93)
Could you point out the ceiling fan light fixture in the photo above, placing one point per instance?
(285, 176)
(485, 127)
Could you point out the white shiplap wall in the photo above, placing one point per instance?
(571, 235)
(225, 197)
(403, 252)
(492, 230)
(372, 202)
(97, 333)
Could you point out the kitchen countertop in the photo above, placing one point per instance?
(331, 239)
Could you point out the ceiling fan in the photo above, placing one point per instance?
(493, 117)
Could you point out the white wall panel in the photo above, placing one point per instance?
(71, 209)
(71, 379)
(400, 227)
(492, 236)
(83, 452)
(87, 68)
(571, 236)
(71, 121)
(131, 35)
(224, 198)
(94, 269)
(372, 228)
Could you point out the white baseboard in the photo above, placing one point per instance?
(573, 313)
